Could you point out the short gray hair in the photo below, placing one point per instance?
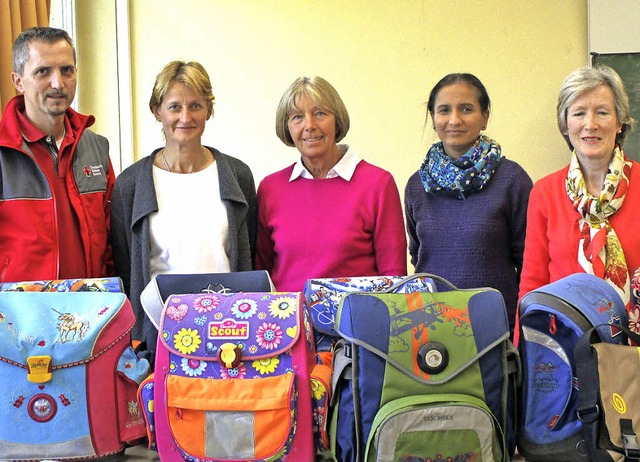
(585, 79)
(40, 34)
(323, 94)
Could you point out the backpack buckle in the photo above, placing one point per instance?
(588, 415)
(348, 350)
(39, 369)
(230, 355)
(629, 440)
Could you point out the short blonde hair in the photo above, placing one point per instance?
(323, 94)
(585, 79)
(192, 74)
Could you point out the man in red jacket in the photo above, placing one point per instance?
(55, 174)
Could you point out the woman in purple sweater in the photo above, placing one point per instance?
(330, 214)
(466, 206)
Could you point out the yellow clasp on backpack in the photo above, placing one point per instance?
(229, 355)
(39, 369)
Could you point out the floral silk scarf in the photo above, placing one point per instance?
(458, 178)
(600, 251)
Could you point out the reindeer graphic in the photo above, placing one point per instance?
(133, 409)
(70, 328)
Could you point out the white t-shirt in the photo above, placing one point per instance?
(190, 230)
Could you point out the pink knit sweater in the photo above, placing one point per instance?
(330, 227)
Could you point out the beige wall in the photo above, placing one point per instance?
(383, 57)
(97, 73)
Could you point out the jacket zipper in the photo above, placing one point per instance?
(53, 150)
(52, 147)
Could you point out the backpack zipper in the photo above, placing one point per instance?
(552, 324)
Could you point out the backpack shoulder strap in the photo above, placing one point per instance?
(588, 409)
(152, 303)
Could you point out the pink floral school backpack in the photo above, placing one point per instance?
(234, 378)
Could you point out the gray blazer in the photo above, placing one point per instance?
(134, 200)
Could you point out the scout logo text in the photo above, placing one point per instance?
(229, 329)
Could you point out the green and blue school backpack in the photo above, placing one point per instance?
(424, 376)
(552, 319)
(324, 295)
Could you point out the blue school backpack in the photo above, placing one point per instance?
(324, 295)
(423, 376)
(552, 319)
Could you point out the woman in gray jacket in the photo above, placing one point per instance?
(185, 208)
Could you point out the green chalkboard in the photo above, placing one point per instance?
(627, 65)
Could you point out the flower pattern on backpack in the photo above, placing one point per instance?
(198, 324)
(244, 308)
(213, 345)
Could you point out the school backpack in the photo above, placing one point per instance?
(162, 286)
(108, 284)
(233, 378)
(424, 376)
(68, 376)
(324, 295)
(609, 387)
(552, 319)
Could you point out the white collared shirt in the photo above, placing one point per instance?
(345, 167)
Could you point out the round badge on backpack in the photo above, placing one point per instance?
(432, 357)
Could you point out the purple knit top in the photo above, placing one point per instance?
(476, 242)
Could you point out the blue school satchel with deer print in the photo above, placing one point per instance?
(68, 376)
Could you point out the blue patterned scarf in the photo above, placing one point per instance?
(458, 178)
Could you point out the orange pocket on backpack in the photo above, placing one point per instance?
(232, 418)
(320, 398)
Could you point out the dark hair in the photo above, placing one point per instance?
(41, 34)
(450, 79)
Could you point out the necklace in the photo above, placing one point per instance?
(204, 156)
(165, 161)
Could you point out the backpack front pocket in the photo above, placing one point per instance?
(551, 400)
(232, 419)
(443, 427)
(320, 397)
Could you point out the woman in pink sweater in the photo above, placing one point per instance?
(330, 214)
(581, 218)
